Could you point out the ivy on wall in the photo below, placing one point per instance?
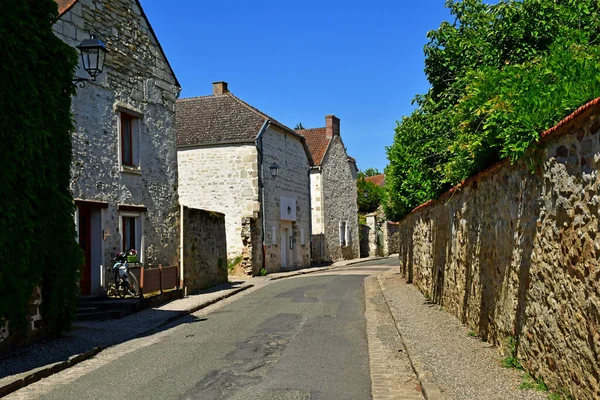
(37, 231)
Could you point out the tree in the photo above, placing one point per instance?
(499, 74)
(298, 126)
(368, 195)
(369, 172)
(37, 231)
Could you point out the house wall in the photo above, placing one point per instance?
(316, 200)
(136, 77)
(222, 179)
(515, 253)
(339, 202)
(293, 182)
(204, 249)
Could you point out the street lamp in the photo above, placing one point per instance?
(93, 52)
(274, 170)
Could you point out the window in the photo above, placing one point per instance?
(129, 233)
(343, 236)
(130, 155)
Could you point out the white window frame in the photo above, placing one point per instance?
(139, 227)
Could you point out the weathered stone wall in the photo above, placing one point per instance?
(515, 253)
(339, 202)
(136, 78)
(391, 244)
(288, 152)
(224, 179)
(204, 249)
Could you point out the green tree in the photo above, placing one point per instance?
(368, 195)
(37, 232)
(369, 172)
(499, 74)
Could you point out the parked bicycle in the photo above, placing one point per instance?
(125, 281)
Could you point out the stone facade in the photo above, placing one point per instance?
(515, 254)
(204, 249)
(292, 182)
(137, 85)
(222, 178)
(339, 203)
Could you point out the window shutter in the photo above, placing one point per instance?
(273, 235)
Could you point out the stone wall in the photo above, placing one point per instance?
(339, 202)
(224, 179)
(515, 254)
(204, 249)
(138, 80)
(288, 152)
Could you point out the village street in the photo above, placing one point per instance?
(327, 335)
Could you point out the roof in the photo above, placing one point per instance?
(222, 118)
(65, 5)
(379, 180)
(352, 159)
(317, 142)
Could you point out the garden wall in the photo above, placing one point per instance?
(204, 249)
(514, 253)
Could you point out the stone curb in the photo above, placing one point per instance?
(430, 389)
(275, 278)
(51, 369)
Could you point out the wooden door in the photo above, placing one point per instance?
(85, 243)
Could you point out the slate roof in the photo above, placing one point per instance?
(317, 142)
(379, 180)
(222, 118)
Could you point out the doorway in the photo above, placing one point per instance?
(286, 244)
(84, 227)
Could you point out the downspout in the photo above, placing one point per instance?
(259, 149)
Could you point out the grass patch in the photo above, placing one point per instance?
(472, 334)
(231, 263)
(511, 361)
(530, 383)
(263, 272)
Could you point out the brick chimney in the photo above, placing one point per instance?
(332, 126)
(220, 88)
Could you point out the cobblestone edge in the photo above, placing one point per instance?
(430, 389)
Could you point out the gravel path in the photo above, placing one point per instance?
(463, 367)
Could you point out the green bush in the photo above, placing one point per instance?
(37, 231)
(500, 74)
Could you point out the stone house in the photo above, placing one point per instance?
(124, 171)
(379, 236)
(225, 152)
(333, 194)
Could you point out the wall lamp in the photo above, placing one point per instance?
(93, 52)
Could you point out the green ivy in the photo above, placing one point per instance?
(37, 231)
(500, 74)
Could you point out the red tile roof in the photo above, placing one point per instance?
(317, 142)
(64, 5)
(379, 180)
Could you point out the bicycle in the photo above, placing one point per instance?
(125, 281)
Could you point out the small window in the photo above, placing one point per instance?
(343, 233)
(129, 140)
(130, 233)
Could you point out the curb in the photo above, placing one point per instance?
(430, 389)
(52, 369)
(48, 370)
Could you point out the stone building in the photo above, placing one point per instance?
(124, 171)
(333, 194)
(225, 152)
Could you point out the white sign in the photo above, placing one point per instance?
(288, 208)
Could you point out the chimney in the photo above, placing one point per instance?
(220, 88)
(332, 126)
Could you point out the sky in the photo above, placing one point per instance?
(299, 61)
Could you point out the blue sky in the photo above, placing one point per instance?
(299, 61)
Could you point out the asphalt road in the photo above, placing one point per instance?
(296, 338)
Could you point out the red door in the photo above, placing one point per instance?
(85, 284)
